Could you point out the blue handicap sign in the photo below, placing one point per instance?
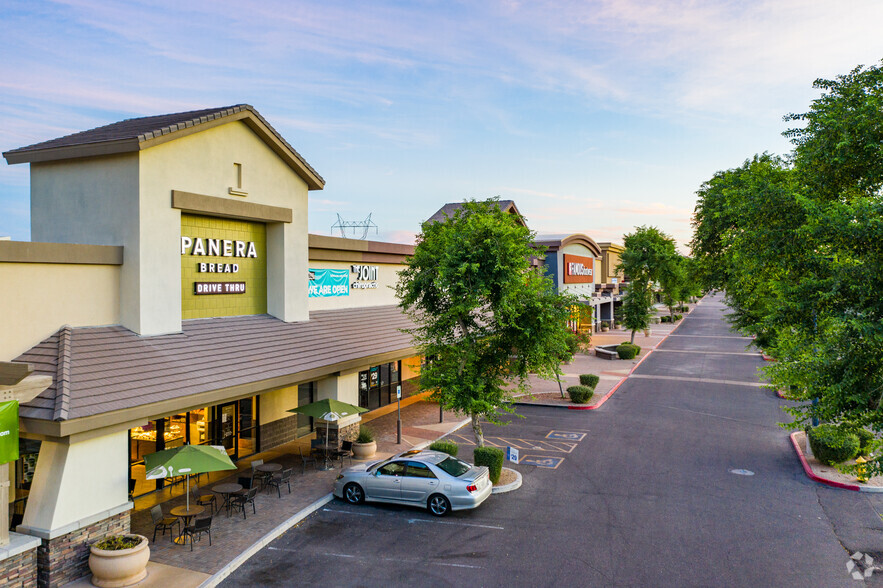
(511, 454)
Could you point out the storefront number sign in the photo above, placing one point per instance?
(8, 431)
(326, 283)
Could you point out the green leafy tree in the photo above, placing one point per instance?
(485, 318)
(649, 257)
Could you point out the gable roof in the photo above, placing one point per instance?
(135, 134)
(450, 208)
(99, 370)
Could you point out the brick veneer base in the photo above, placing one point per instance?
(20, 570)
(278, 432)
(66, 558)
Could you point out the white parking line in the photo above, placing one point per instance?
(702, 380)
(391, 559)
(715, 337)
(361, 514)
(456, 524)
(706, 352)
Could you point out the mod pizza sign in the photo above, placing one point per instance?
(578, 269)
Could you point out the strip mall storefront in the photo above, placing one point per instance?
(196, 309)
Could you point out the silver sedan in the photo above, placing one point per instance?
(429, 479)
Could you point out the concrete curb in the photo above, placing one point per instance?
(816, 478)
(240, 559)
(264, 541)
(509, 487)
(612, 390)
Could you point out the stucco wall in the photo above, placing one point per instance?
(384, 294)
(581, 290)
(41, 297)
(74, 481)
(202, 163)
(276, 404)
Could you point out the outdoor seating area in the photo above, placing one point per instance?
(239, 520)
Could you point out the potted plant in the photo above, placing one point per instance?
(605, 327)
(119, 560)
(364, 445)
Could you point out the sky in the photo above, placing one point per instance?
(594, 116)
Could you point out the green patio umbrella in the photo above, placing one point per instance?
(186, 460)
(329, 410)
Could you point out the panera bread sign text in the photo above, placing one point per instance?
(201, 288)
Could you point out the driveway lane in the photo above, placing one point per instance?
(646, 499)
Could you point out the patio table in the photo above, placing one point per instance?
(268, 469)
(226, 491)
(186, 514)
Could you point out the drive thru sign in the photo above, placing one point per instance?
(8, 431)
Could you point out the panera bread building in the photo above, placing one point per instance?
(173, 295)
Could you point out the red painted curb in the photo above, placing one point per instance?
(811, 475)
(767, 357)
(781, 395)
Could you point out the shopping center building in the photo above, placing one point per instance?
(172, 294)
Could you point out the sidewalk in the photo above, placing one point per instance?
(610, 372)
(235, 535)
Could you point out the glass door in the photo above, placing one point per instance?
(227, 429)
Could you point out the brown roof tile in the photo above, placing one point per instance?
(101, 369)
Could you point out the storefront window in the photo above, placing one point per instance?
(377, 385)
(248, 430)
(306, 393)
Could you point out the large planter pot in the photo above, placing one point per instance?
(364, 450)
(121, 567)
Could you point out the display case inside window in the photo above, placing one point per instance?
(176, 428)
(198, 426)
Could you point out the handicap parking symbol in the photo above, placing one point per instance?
(565, 436)
(541, 461)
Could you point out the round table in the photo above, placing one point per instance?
(227, 490)
(186, 514)
(270, 468)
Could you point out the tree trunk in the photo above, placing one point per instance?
(633, 336)
(560, 389)
(476, 429)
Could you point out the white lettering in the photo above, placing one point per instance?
(240, 248)
(228, 248)
(235, 267)
(186, 242)
(252, 252)
(578, 269)
(202, 267)
(214, 246)
(198, 247)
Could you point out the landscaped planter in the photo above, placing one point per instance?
(120, 567)
(364, 450)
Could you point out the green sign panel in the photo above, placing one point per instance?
(8, 431)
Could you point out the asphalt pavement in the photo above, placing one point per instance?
(683, 478)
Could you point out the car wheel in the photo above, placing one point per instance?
(439, 505)
(353, 493)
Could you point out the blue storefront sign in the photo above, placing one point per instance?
(325, 283)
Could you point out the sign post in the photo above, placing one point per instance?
(399, 423)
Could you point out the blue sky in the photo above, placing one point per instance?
(594, 116)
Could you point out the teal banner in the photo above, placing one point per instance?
(8, 431)
(325, 283)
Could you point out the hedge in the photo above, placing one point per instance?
(635, 345)
(864, 440)
(589, 380)
(445, 446)
(627, 351)
(492, 457)
(580, 394)
(832, 445)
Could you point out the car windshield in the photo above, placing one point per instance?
(454, 466)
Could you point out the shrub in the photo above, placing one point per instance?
(365, 435)
(683, 308)
(831, 444)
(492, 457)
(864, 440)
(678, 317)
(589, 380)
(627, 351)
(635, 345)
(665, 319)
(580, 394)
(446, 446)
(118, 542)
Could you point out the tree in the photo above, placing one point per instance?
(648, 257)
(485, 318)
